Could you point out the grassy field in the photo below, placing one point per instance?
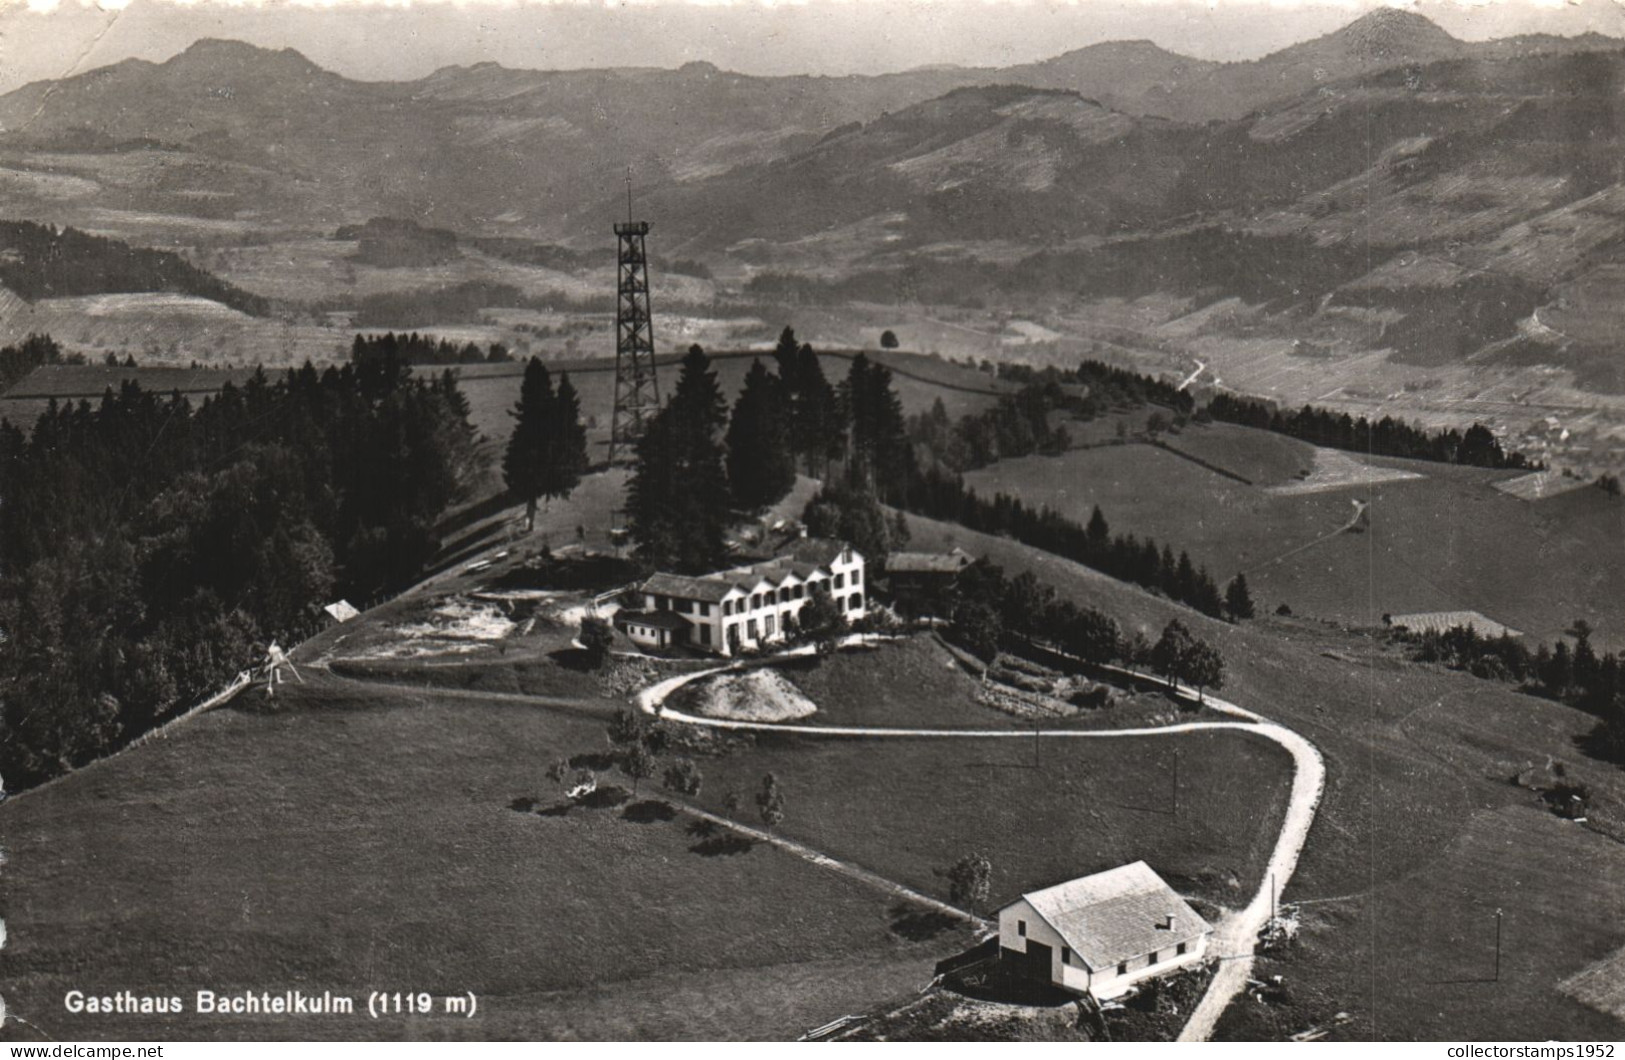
(1445, 541)
(362, 838)
(1419, 762)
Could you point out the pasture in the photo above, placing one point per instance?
(1443, 539)
(358, 838)
(1420, 829)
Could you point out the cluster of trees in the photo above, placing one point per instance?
(1476, 446)
(149, 549)
(991, 610)
(697, 461)
(1108, 386)
(547, 451)
(1180, 656)
(1576, 675)
(44, 261)
(1140, 561)
(1019, 425)
(425, 349)
(641, 747)
(34, 351)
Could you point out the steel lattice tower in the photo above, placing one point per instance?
(637, 390)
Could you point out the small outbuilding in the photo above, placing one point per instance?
(1102, 934)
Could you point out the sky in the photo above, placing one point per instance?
(403, 40)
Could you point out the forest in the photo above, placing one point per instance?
(43, 261)
(150, 549)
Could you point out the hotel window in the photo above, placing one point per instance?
(784, 595)
(767, 625)
(800, 592)
(1122, 969)
(1021, 928)
(855, 603)
(1151, 959)
(857, 576)
(755, 601)
(727, 608)
(1180, 950)
(750, 628)
(705, 609)
(1066, 955)
(840, 581)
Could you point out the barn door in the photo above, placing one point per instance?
(1040, 961)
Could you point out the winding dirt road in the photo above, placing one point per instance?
(1236, 934)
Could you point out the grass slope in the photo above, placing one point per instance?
(362, 838)
(1446, 541)
(1418, 765)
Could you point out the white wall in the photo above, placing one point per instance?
(1103, 982)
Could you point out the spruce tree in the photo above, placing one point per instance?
(677, 498)
(1238, 601)
(565, 457)
(524, 462)
(761, 467)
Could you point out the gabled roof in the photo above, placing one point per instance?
(656, 619)
(928, 562)
(1117, 915)
(711, 590)
(1441, 621)
(820, 551)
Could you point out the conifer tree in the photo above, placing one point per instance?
(565, 458)
(677, 498)
(761, 467)
(1238, 601)
(525, 459)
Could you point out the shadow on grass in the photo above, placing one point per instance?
(649, 811)
(702, 829)
(725, 845)
(605, 798)
(919, 925)
(1603, 744)
(575, 659)
(524, 804)
(597, 761)
(556, 810)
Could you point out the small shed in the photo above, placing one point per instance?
(1102, 934)
(652, 629)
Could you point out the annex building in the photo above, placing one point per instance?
(744, 607)
(1101, 934)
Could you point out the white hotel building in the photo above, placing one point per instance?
(744, 607)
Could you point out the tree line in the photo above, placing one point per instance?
(991, 612)
(44, 261)
(938, 494)
(149, 548)
(425, 349)
(1576, 675)
(1477, 446)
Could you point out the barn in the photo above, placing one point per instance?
(1102, 934)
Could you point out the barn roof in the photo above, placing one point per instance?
(1117, 915)
(1440, 621)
